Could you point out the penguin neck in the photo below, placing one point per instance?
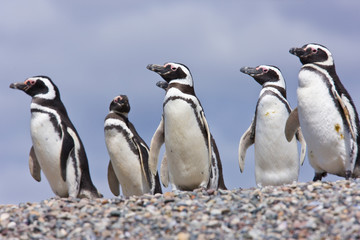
(55, 104)
(278, 87)
(123, 115)
(330, 68)
(186, 89)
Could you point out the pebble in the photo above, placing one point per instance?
(313, 210)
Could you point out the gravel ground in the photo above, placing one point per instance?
(314, 210)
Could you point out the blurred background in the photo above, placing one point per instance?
(94, 52)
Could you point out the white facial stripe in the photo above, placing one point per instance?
(329, 61)
(51, 94)
(186, 81)
(280, 82)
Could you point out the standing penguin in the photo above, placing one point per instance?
(128, 152)
(57, 148)
(276, 159)
(193, 160)
(326, 114)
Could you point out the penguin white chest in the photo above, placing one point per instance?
(186, 149)
(321, 124)
(276, 159)
(47, 144)
(125, 160)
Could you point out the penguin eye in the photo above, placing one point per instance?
(265, 70)
(173, 68)
(116, 100)
(314, 50)
(30, 82)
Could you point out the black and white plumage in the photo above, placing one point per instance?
(326, 114)
(193, 160)
(276, 160)
(57, 148)
(128, 152)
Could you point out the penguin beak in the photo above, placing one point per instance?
(299, 52)
(162, 84)
(121, 99)
(251, 71)
(159, 68)
(21, 86)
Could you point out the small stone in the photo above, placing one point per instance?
(213, 223)
(61, 233)
(317, 184)
(282, 226)
(210, 191)
(11, 225)
(255, 234)
(183, 236)
(115, 213)
(4, 217)
(168, 194)
(215, 212)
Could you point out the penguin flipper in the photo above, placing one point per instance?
(34, 165)
(156, 142)
(164, 172)
(220, 182)
(144, 162)
(68, 145)
(206, 125)
(301, 139)
(292, 124)
(350, 165)
(246, 140)
(112, 180)
(346, 113)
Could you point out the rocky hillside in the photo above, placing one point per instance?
(314, 210)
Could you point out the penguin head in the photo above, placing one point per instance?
(120, 104)
(162, 84)
(265, 74)
(38, 87)
(173, 72)
(313, 53)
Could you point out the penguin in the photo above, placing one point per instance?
(276, 160)
(326, 114)
(57, 149)
(128, 153)
(193, 160)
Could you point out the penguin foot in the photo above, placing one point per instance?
(200, 189)
(319, 176)
(89, 194)
(348, 174)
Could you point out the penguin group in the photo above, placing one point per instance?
(325, 123)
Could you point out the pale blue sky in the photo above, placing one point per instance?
(94, 52)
